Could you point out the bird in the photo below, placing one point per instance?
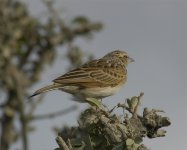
(97, 79)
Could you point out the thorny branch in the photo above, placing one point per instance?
(61, 143)
(106, 130)
(132, 104)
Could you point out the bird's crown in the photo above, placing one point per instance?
(117, 53)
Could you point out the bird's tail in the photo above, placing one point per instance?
(46, 89)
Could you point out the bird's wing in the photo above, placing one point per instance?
(93, 74)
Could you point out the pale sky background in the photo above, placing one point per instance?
(154, 33)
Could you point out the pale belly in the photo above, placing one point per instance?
(99, 92)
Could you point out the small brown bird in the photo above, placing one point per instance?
(96, 79)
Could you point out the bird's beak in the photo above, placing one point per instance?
(130, 59)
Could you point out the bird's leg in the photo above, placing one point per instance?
(103, 104)
(101, 100)
(94, 102)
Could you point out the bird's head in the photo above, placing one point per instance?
(122, 55)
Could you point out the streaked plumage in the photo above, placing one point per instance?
(96, 79)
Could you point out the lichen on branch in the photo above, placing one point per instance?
(104, 130)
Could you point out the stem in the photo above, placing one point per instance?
(61, 143)
(23, 121)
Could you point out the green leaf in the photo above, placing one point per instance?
(132, 103)
(129, 142)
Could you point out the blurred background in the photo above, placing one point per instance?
(41, 40)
